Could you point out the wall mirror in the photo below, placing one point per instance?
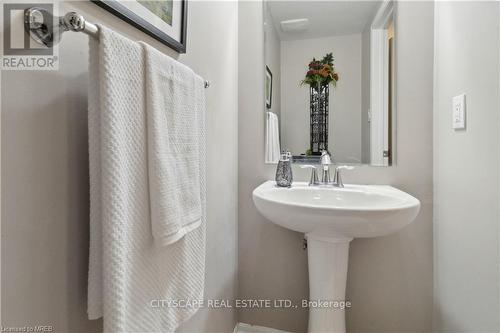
(329, 80)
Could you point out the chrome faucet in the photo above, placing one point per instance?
(326, 161)
(325, 166)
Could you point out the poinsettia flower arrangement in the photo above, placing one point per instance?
(321, 72)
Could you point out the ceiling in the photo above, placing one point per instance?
(326, 18)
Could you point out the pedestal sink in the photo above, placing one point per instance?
(331, 217)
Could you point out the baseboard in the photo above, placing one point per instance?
(246, 328)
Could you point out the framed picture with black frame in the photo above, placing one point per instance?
(269, 87)
(164, 20)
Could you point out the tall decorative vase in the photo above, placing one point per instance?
(319, 118)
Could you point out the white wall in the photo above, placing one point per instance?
(365, 95)
(45, 174)
(271, 260)
(344, 140)
(390, 278)
(273, 61)
(466, 168)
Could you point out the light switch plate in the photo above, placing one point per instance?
(458, 121)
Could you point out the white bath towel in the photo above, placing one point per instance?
(173, 146)
(272, 138)
(131, 279)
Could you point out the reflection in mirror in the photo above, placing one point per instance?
(330, 80)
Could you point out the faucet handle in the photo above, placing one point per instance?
(337, 177)
(314, 176)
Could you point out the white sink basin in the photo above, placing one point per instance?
(353, 211)
(331, 217)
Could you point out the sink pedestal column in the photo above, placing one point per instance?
(328, 259)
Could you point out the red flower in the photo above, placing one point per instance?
(314, 65)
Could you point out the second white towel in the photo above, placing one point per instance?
(173, 104)
(272, 138)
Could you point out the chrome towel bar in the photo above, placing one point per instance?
(47, 30)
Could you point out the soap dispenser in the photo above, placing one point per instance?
(284, 176)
